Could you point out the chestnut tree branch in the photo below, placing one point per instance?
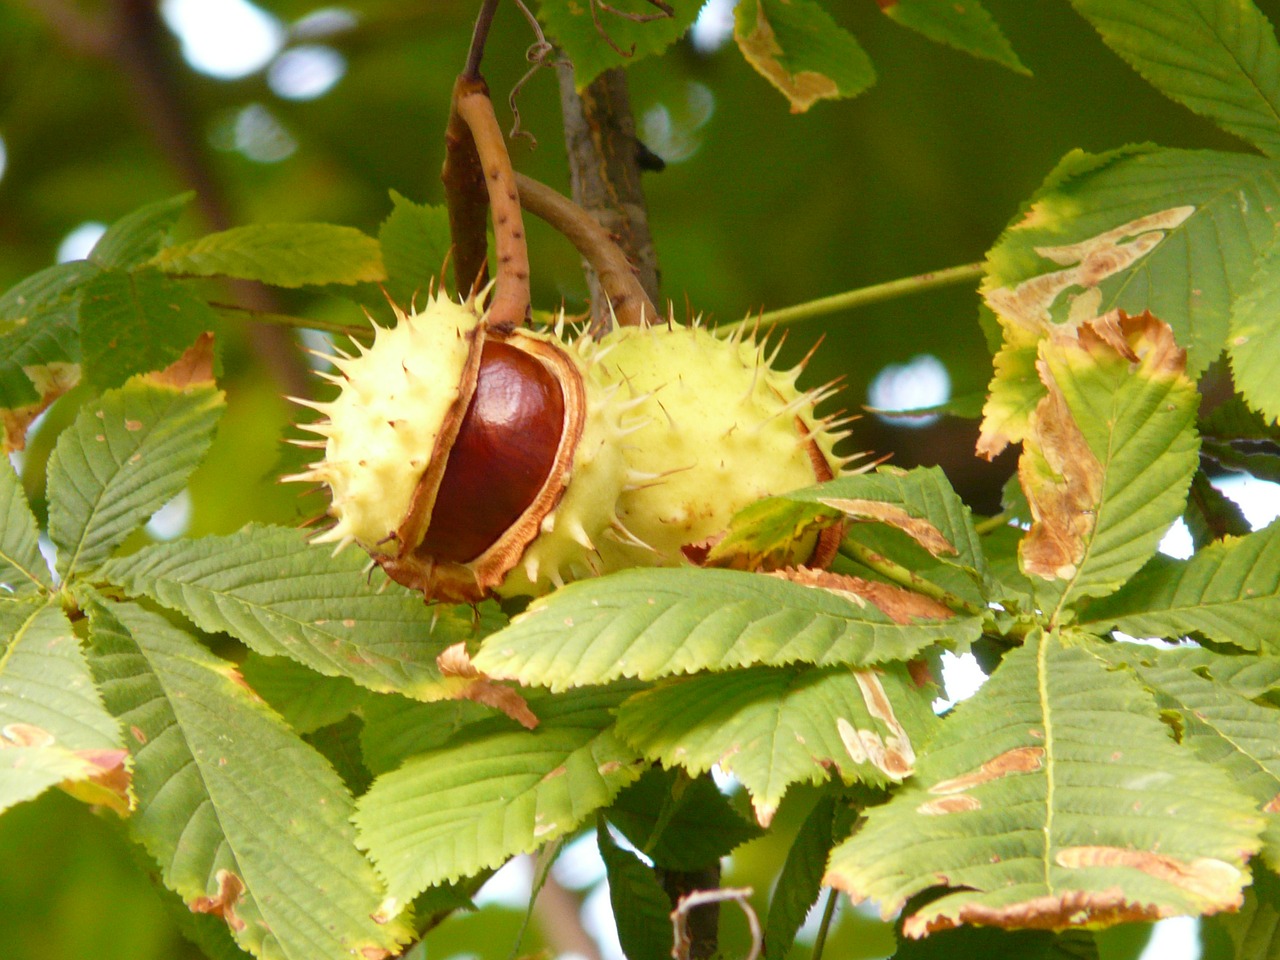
(600, 138)
(620, 286)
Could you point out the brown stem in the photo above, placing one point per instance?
(600, 137)
(510, 305)
(467, 199)
(479, 36)
(617, 277)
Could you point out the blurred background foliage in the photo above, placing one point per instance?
(756, 209)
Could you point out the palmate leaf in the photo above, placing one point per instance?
(47, 289)
(641, 907)
(661, 622)
(39, 357)
(1254, 341)
(580, 30)
(415, 244)
(1255, 930)
(1222, 727)
(800, 881)
(282, 254)
(53, 726)
(22, 568)
(1229, 592)
(695, 824)
(1217, 57)
(772, 727)
(136, 236)
(125, 456)
(305, 699)
(801, 50)
(247, 821)
(1054, 798)
(495, 790)
(39, 362)
(1118, 231)
(286, 597)
(137, 321)
(1109, 455)
(966, 26)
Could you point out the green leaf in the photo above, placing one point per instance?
(1229, 592)
(775, 727)
(800, 881)
(1255, 930)
(641, 908)
(127, 454)
(1254, 337)
(677, 822)
(39, 358)
(654, 623)
(396, 728)
(22, 568)
(246, 821)
(597, 40)
(1109, 456)
(1218, 58)
(1054, 798)
(53, 726)
(305, 699)
(980, 943)
(797, 47)
(1252, 677)
(1211, 514)
(966, 26)
(46, 290)
(415, 242)
(282, 254)
(919, 502)
(136, 322)
(1118, 230)
(495, 790)
(1222, 727)
(286, 597)
(136, 236)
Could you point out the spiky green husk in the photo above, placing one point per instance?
(381, 429)
(565, 548)
(724, 430)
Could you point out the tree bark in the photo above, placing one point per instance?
(600, 137)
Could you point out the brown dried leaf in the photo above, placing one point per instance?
(109, 785)
(901, 606)
(455, 662)
(230, 889)
(51, 381)
(1077, 908)
(193, 368)
(919, 529)
(1213, 880)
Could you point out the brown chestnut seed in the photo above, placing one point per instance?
(502, 456)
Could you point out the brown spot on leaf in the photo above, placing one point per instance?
(901, 606)
(51, 381)
(230, 889)
(193, 368)
(1214, 881)
(108, 783)
(762, 50)
(1017, 760)
(1273, 806)
(25, 735)
(956, 803)
(1076, 908)
(1088, 263)
(919, 529)
(138, 734)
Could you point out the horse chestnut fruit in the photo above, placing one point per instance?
(470, 461)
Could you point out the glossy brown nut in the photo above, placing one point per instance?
(502, 456)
